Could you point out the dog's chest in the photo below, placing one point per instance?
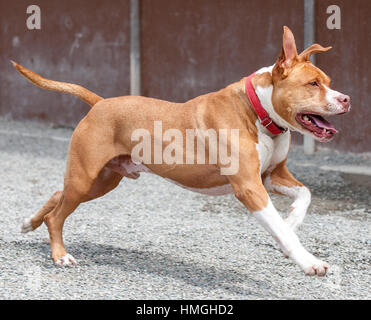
(271, 150)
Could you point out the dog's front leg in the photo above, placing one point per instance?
(249, 189)
(281, 181)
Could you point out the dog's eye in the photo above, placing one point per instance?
(314, 84)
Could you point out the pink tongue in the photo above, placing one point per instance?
(319, 121)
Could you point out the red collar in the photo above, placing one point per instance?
(263, 116)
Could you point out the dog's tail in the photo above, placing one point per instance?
(74, 89)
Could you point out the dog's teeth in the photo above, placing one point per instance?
(306, 118)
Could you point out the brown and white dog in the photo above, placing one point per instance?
(295, 96)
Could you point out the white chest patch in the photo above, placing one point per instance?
(265, 148)
(271, 151)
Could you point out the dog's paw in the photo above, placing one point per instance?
(26, 225)
(318, 268)
(66, 261)
(313, 266)
(309, 263)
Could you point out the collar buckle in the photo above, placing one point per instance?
(266, 122)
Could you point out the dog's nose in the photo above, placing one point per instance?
(344, 100)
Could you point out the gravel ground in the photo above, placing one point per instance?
(149, 239)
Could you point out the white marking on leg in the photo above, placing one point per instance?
(66, 261)
(289, 242)
(300, 206)
(26, 226)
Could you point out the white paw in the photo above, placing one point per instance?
(310, 264)
(317, 268)
(66, 261)
(26, 226)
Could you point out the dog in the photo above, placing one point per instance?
(291, 95)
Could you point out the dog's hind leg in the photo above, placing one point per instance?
(69, 200)
(86, 178)
(55, 221)
(33, 222)
(106, 181)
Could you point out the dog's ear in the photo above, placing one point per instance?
(289, 54)
(314, 48)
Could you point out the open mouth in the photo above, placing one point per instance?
(317, 125)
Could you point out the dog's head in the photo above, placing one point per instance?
(301, 92)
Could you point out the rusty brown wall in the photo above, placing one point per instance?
(188, 48)
(348, 64)
(80, 41)
(197, 46)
